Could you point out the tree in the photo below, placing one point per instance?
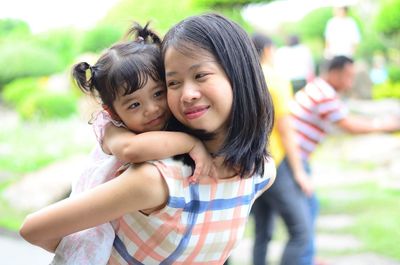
(10, 28)
(388, 21)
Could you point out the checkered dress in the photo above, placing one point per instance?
(201, 223)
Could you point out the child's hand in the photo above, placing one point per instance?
(204, 165)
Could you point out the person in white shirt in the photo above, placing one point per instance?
(295, 62)
(342, 34)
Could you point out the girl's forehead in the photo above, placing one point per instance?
(192, 51)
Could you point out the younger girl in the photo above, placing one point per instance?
(128, 78)
(217, 90)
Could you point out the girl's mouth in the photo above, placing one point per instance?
(195, 112)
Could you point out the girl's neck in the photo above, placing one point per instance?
(222, 171)
(214, 144)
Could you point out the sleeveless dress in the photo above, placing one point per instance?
(91, 246)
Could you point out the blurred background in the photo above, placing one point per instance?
(45, 137)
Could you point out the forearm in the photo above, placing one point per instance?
(136, 189)
(151, 145)
(359, 125)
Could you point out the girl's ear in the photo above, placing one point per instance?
(113, 115)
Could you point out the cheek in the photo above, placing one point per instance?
(173, 101)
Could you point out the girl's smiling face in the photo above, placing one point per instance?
(199, 93)
(145, 109)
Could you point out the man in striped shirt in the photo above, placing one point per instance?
(317, 106)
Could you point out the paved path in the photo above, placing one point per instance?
(16, 251)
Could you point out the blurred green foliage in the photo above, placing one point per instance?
(391, 88)
(26, 59)
(13, 28)
(227, 4)
(386, 90)
(388, 19)
(17, 91)
(162, 14)
(33, 101)
(63, 42)
(313, 25)
(101, 37)
(394, 73)
(46, 105)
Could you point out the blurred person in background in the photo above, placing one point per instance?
(378, 73)
(342, 34)
(318, 106)
(288, 195)
(295, 62)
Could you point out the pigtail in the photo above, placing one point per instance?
(144, 34)
(79, 74)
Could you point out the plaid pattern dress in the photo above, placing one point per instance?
(201, 223)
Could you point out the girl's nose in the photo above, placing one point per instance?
(190, 93)
(152, 108)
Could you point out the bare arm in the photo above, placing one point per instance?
(286, 130)
(138, 188)
(358, 125)
(136, 148)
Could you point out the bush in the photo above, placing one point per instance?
(394, 74)
(22, 59)
(19, 90)
(388, 21)
(64, 42)
(312, 26)
(386, 90)
(32, 100)
(100, 38)
(162, 14)
(13, 28)
(47, 105)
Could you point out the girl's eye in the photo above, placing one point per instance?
(171, 84)
(200, 75)
(134, 105)
(159, 93)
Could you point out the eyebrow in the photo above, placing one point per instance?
(127, 98)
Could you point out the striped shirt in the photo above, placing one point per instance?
(200, 224)
(315, 107)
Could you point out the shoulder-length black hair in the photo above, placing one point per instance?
(251, 118)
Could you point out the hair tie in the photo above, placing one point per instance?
(91, 68)
(140, 39)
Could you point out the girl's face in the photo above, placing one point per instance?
(199, 93)
(145, 109)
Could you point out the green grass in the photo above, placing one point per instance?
(27, 147)
(376, 212)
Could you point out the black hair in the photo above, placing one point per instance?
(293, 40)
(261, 41)
(251, 117)
(336, 63)
(125, 65)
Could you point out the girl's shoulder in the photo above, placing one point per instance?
(265, 181)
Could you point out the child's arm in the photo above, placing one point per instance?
(139, 188)
(135, 148)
